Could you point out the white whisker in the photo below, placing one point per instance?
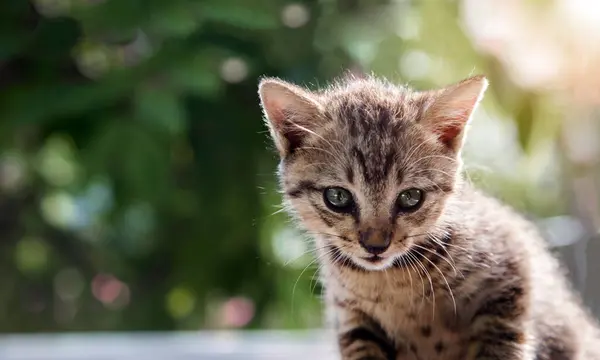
(435, 157)
(411, 153)
(440, 256)
(443, 277)
(432, 169)
(430, 283)
(443, 246)
(303, 271)
(412, 264)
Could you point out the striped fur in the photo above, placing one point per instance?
(464, 276)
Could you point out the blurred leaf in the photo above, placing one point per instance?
(174, 21)
(40, 102)
(98, 18)
(161, 106)
(129, 153)
(238, 15)
(198, 75)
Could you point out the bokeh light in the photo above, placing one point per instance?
(234, 70)
(110, 291)
(237, 312)
(295, 15)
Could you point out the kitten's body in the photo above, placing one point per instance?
(492, 249)
(457, 276)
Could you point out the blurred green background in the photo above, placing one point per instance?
(137, 187)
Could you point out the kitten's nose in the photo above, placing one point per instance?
(375, 242)
(375, 249)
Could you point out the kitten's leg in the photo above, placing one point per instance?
(498, 330)
(360, 337)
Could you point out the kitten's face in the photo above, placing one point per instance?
(368, 167)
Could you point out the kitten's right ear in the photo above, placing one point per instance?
(291, 113)
(452, 109)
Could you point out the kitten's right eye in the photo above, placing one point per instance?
(338, 199)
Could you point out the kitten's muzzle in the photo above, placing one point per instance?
(374, 241)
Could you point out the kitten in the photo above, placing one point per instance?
(416, 264)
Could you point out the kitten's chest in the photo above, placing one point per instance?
(420, 329)
(422, 323)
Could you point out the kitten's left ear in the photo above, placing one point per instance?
(292, 113)
(451, 110)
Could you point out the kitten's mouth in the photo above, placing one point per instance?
(374, 259)
(372, 262)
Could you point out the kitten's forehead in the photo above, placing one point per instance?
(368, 112)
(373, 100)
(376, 127)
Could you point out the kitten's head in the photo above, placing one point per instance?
(367, 167)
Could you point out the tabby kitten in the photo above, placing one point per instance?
(416, 264)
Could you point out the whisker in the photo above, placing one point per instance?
(296, 283)
(443, 277)
(328, 234)
(301, 273)
(303, 253)
(443, 246)
(440, 256)
(405, 262)
(415, 235)
(435, 156)
(278, 212)
(413, 266)
(433, 169)
(319, 268)
(456, 246)
(315, 134)
(411, 153)
(431, 182)
(430, 284)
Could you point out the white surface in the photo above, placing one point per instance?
(170, 346)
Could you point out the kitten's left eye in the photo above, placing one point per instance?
(409, 200)
(338, 199)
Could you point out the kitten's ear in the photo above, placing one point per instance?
(292, 113)
(452, 108)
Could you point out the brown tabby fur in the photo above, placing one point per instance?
(465, 277)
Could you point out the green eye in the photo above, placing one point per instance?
(409, 200)
(338, 199)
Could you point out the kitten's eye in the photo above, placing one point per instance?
(410, 199)
(338, 199)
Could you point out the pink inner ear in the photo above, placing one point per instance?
(275, 113)
(449, 128)
(449, 134)
(452, 109)
(282, 121)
